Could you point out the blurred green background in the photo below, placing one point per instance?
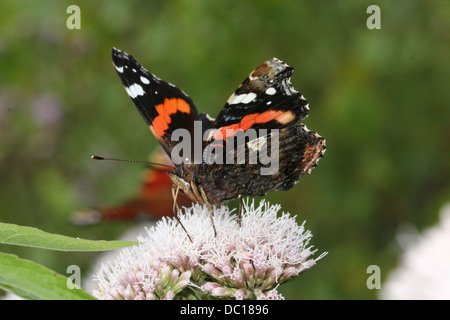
(381, 99)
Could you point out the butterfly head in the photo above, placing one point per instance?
(184, 180)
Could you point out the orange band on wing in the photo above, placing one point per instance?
(283, 117)
(165, 110)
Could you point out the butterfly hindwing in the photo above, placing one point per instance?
(299, 151)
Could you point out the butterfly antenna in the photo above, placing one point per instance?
(127, 160)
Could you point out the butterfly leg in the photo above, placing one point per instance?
(211, 212)
(176, 208)
(240, 210)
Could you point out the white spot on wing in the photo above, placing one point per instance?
(145, 80)
(257, 144)
(135, 90)
(119, 69)
(242, 98)
(271, 91)
(249, 97)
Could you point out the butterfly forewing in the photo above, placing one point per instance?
(163, 106)
(265, 97)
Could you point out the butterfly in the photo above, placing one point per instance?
(265, 103)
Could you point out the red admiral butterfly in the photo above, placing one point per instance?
(265, 100)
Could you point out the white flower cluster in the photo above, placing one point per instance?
(423, 272)
(243, 262)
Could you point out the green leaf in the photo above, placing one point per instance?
(33, 281)
(33, 237)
